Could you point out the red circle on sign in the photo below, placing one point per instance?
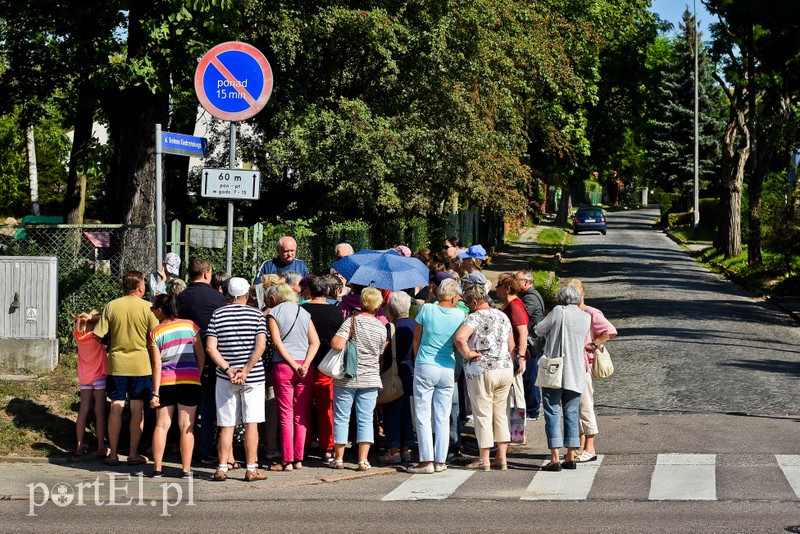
(257, 103)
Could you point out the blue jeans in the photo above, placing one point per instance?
(533, 397)
(397, 419)
(433, 390)
(455, 420)
(554, 399)
(343, 401)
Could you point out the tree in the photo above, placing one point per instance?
(670, 129)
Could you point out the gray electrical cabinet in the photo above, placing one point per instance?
(29, 300)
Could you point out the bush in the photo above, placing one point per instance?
(668, 203)
(685, 218)
(709, 213)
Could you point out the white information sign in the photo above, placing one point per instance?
(233, 184)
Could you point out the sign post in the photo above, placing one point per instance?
(233, 82)
(179, 145)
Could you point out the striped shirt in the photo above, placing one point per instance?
(236, 326)
(178, 360)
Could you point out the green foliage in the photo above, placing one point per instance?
(709, 213)
(667, 203)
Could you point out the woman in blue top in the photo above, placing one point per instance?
(433, 375)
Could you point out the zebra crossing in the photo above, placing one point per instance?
(673, 477)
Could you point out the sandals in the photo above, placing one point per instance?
(364, 466)
(333, 463)
(234, 465)
(283, 467)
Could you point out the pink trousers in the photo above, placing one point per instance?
(292, 395)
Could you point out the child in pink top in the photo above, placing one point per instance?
(92, 370)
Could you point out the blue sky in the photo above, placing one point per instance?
(672, 11)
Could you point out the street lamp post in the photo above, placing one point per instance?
(696, 127)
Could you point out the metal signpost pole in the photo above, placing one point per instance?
(159, 214)
(232, 165)
(696, 221)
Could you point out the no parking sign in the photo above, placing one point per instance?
(233, 81)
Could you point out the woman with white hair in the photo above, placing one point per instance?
(434, 374)
(296, 343)
(397, 421)
(567, 398)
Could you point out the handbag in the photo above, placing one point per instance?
(392, 386)
(602, 366)
(351, 351)
(551, 370)
(332, 364)
(516, 411)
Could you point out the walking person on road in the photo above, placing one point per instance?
(600, 332)
(575, 323)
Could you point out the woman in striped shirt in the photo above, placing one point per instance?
(177, 356)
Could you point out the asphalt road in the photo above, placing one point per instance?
(690, 341)
(698, 432)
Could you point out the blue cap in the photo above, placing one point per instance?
(475, 251)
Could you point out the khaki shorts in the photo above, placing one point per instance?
(239, 404)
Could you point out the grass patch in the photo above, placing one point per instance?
(550, 241)
(771, 277)
(37, 417)
(703, 236)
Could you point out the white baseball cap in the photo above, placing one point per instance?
(238, 287)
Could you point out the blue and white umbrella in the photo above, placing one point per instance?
(382, 269)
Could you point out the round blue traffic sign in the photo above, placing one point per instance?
(233, 81)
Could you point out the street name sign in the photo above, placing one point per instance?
(233, 81)
(183, 145)
(232, 184)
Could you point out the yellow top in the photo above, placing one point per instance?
(128, 320)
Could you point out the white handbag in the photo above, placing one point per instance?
(602, 367)
(332, 364)
(551, 370)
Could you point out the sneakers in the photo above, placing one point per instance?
(390, 458)
(187, 475)
(250, 476)
(423, 470)
(157, 474)
(364, 466)
(438, 468)
(220, 476)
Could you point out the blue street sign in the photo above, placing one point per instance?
(183, 145)
(233, 81)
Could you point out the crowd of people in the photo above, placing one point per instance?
(224, 353)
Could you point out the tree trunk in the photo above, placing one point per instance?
(132, 119)
(33, 175)
(564, 206)
(75, 197)
(734, 160)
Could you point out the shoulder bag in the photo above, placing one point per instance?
(392, 386)
(602, 366)
(551, 370)
(351, 352)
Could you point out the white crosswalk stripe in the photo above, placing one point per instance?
(429, 487)
(566, 485)
(790, 465)
(684, 477)
(674, 477)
